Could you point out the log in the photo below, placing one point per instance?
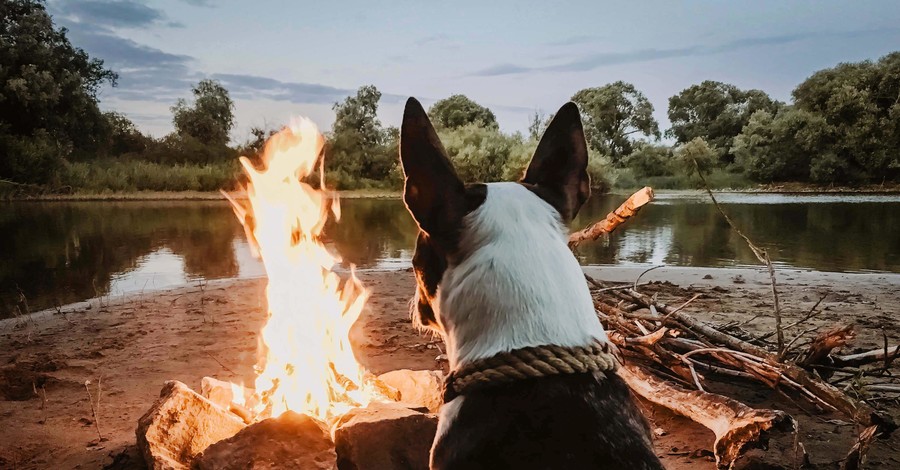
(818, 351)
(615, 218)
(868, 357)
(856, 410)
(737, 427)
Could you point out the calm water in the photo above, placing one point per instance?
(62, 252)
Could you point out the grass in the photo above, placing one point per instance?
(112, 176)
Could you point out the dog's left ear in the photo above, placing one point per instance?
(433, 193)
(558, 169)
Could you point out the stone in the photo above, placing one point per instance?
(417, 387)
(180, 425)
(384, 436)
(291, 440)
(217, 391)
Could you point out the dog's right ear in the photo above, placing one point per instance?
(558, 169)
(433, 193)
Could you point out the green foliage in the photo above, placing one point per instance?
(484, 153)
(48, 94)
(33, 159)
(134, 175)
(612, 114)
(860, 104)
(649, 160)
(210, 118)
(459, 110)
(697, 150)
(780, 147)
(717, 112)
(360, 152)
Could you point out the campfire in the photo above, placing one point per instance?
(306, 362)
(312, 404)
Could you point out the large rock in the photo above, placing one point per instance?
(180, 425)
(384, 436)
(417, 387)
(290, 441)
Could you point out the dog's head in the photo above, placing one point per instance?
(446, 208)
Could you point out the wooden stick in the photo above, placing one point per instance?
(615, 218)
(868, 357)
(737, 427)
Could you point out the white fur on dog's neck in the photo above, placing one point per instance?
(517, 284)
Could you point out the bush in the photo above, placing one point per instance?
(134, 175)
(34, 159)
(650, 160)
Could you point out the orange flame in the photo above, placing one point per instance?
(307, 364)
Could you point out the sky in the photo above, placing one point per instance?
(287, 58)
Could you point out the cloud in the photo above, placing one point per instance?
(200, 3)
(605, 59)
(112, 13)
(572, 40)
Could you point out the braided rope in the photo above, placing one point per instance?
(525, 363)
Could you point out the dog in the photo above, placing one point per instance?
(494, 274)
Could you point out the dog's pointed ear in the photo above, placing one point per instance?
(433, 193)
(558, 169)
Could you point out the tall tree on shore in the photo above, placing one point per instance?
(48, 94)
(211, 116)
(716, 112)
(860, 102)
(459, 110)
(613, 115)
(360, 147)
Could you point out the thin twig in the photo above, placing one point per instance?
(93, 410)
(223, 365)
(761, 255)
(645, 272)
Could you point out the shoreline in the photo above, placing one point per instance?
(396, 194)
(749, 277)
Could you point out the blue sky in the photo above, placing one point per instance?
(284, 58)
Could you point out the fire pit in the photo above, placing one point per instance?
(312, 404)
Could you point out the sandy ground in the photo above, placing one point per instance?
(131, 346)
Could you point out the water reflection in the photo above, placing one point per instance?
(58, 253)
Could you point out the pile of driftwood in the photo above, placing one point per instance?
(669, 355)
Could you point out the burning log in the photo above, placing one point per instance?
(737, 427)
(615, 218)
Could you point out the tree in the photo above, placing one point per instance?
(716, 112)
(860, 102)
(537, 124)
(210, 119)
(697, 150)
(360, 148)
(48, 94)
(612, 114)
(781, 147)
(459, 110)
(649, 160)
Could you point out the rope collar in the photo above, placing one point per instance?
(525, 363)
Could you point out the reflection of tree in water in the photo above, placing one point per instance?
(59, 253)
(372, 229)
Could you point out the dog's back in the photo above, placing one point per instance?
(581, 421)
